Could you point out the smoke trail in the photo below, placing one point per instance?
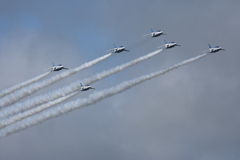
(91, 99)
(20, 85)
(99, 76)
(14, 97)
(70, 88)
(7, 121)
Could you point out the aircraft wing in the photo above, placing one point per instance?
(161, 46)
(147, 35)
(48, 68)
(207, 51)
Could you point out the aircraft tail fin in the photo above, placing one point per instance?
(81, 84)
(165, 41)
(152, 30)
(53, 64)
(115, 46)
(209, 46)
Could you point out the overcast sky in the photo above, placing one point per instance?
(191, 113)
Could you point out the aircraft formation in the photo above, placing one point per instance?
(165, 46)
(16, 116)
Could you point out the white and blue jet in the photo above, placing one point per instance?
(56, 68)
(118, 50)
(155, 33)
(168, 45)
(214, 49)
(85, 88)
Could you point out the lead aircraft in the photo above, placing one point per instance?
(214, 49)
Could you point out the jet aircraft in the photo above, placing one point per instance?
(118, 50)
(155, 34)
(56, 68)
(213, 50)
(85, 88)
(169, 45)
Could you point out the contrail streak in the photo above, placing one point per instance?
(99, 76)
(91, 99)
(20, 85)
(18, 107)
(9, 120)
(14, 97)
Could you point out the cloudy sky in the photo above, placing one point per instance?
(191, 113)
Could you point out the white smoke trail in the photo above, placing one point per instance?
(14, 97)
(23, 84)
(9, 120)
(99, 76)
(18, 107)
(91, 99)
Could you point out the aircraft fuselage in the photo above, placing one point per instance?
(85, 88)
(170, 45)
(156, 34)
(214, 50)
(57, 68)
(120, 49)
